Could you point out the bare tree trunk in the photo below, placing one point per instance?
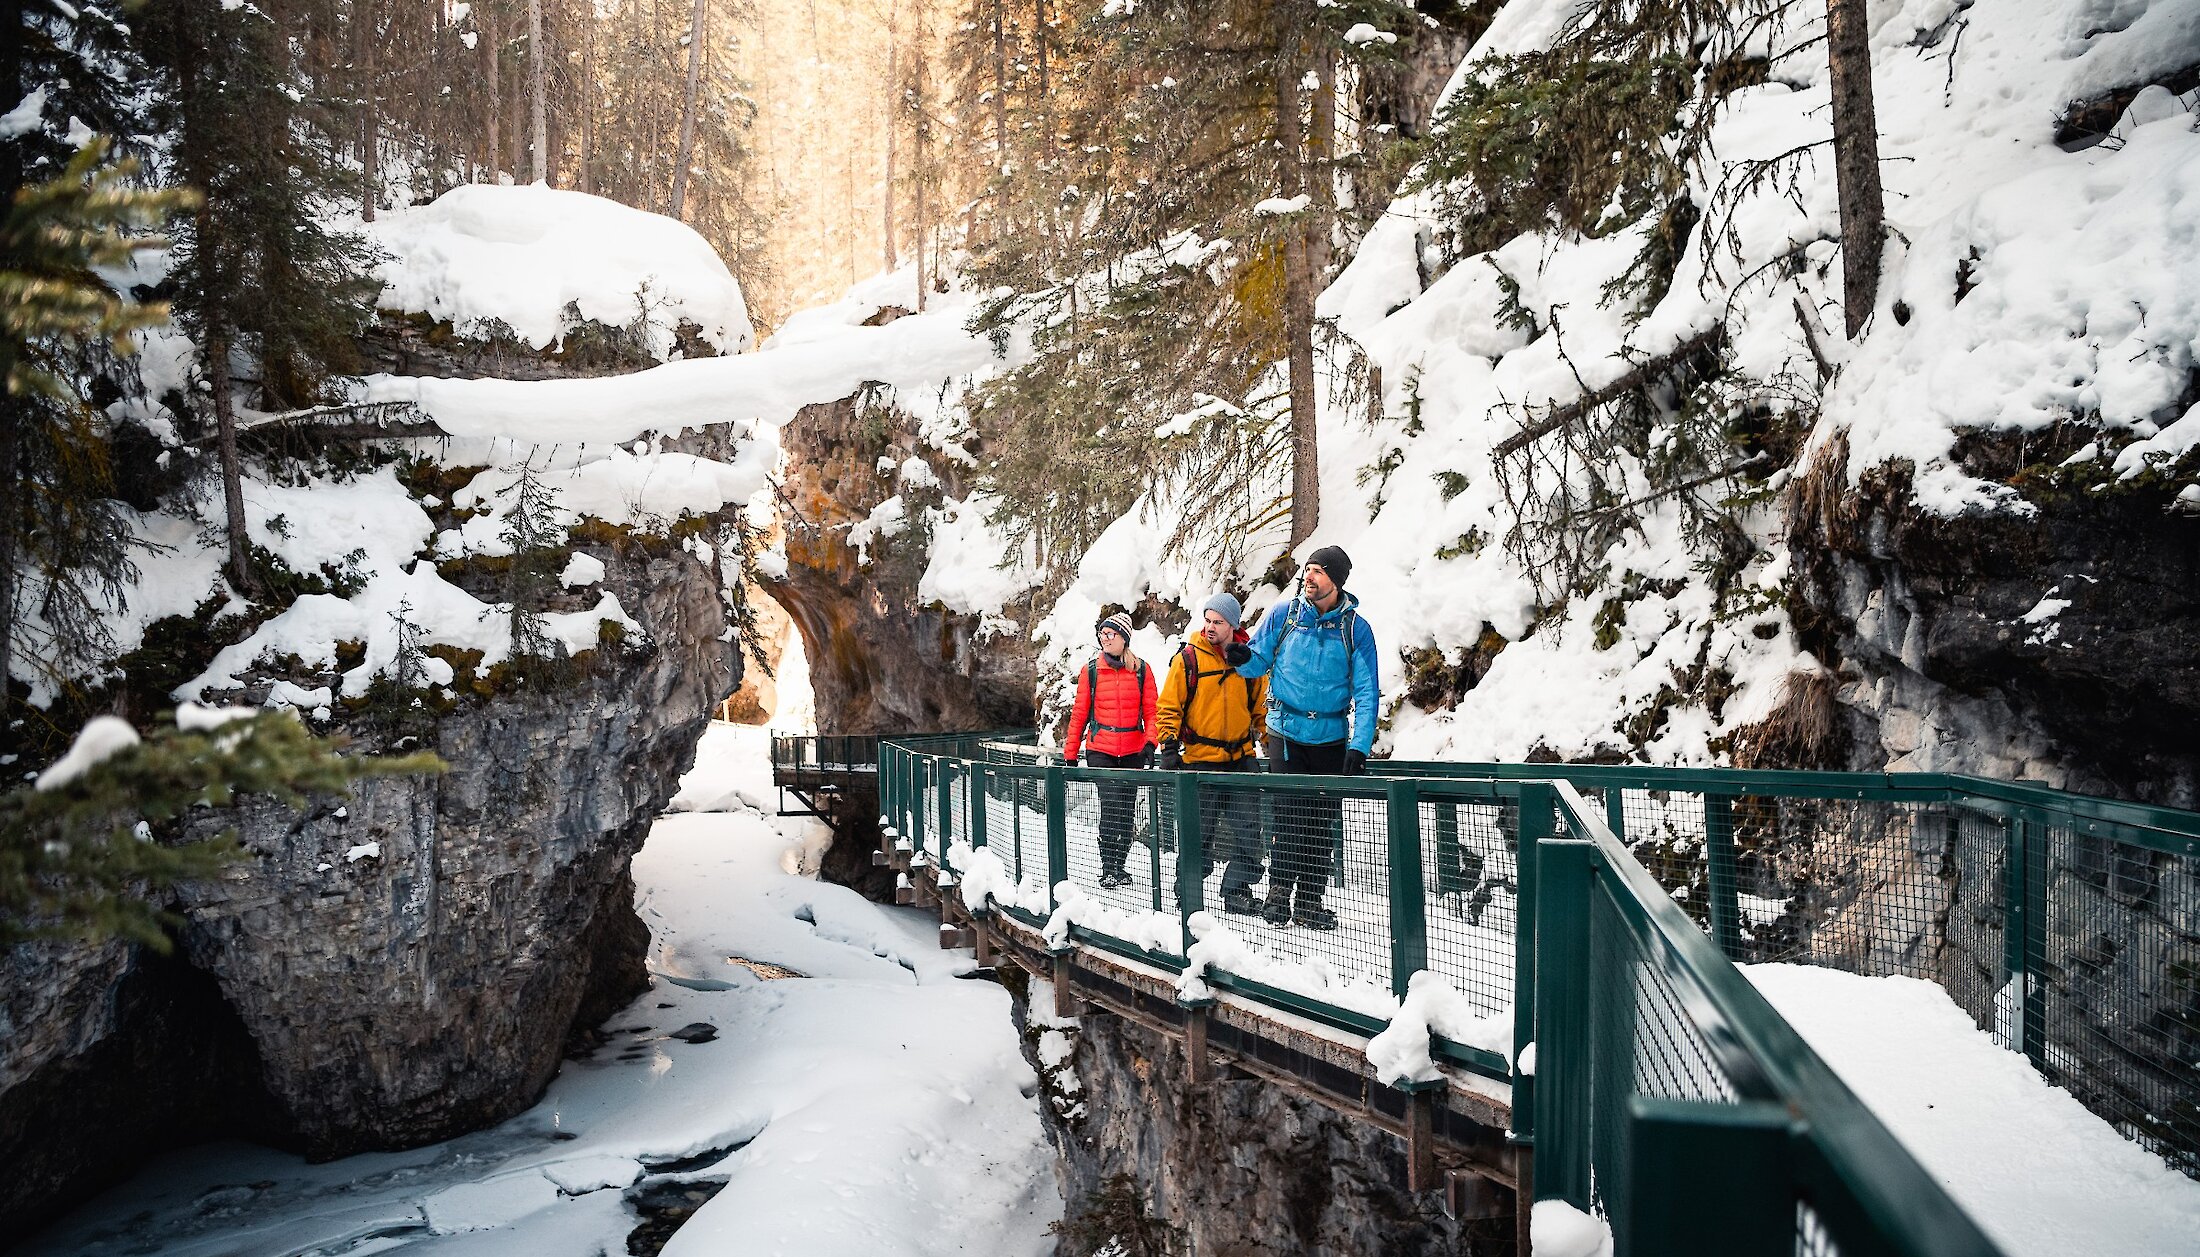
(1298, 304)
(1855, 159)
(893, 131)
(370, 94)
(225, 417)
(588, 102)
(538, 130)
(486, 32)
(686, 151)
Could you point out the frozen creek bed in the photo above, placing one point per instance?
(878, 1105)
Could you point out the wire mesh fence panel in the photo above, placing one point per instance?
(1470, 876)
(1857, 885)
(1665, 830)
(1323, 929)
(2112, 1009)
(1643, 1042)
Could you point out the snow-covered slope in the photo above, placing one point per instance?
(2023, 285)
(534, 259)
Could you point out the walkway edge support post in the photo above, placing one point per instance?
(1565, 880)
(1408, 898)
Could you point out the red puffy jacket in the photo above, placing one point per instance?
(1121, 713)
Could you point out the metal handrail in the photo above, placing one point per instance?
(1829, 1158)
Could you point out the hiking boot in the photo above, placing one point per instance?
(1315, 917)
(1240, 902)
(1277, 911)
(1112, 878)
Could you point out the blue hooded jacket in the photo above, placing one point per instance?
(1313, 685)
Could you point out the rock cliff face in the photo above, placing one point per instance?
(2055, 646)
(882, 660)
(1238, 1167)
(393, 968)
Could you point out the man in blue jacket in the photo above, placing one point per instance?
(1319, 657)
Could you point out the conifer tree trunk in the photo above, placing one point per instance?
(1298, 303)
(536, 56)
(686, 149)
(893, 129)
(493, 142)
(11, 454)
(1321, 164)
(1000, 84)
(225, 419)
(369, 120)
(1855, 159)
(588, 102)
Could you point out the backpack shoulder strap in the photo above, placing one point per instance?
(1092, 695)
(1191, 677)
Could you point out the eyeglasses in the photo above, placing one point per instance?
(1108, 632)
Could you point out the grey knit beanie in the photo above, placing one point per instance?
(1224, 605)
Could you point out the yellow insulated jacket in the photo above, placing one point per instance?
(1226, 715)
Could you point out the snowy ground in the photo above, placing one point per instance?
(2042, 1175)
(878, 1105)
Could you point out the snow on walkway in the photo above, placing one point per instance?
(2043, 1176)
(878, 1106)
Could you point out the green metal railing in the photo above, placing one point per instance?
(1605, 909)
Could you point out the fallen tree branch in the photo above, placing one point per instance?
(1643, 373)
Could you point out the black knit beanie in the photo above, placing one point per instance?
(1334, 561)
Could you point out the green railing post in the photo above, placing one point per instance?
(2015, 930)
(1564, 1030)
(1534, 824)
(1615, 811)
(1057, 831)
(1408, 907)
(1153, 846)
(918, 771)
(947, 803)
(2034, 941)
(1016, 823)
(1722, 876)
(1191, 853)
(1708, 1178)
(980, 793)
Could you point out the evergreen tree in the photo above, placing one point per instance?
(1140, 156)
(536, 542)
(260, 280)
(64, 543)
(84, 857)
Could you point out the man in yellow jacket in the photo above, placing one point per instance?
(1210, 719)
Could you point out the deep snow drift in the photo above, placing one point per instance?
(2042, 1176)
(879, 1105)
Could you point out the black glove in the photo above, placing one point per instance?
(1355, 763)
(1172, 756)
(1069, 761)
(1237, 654)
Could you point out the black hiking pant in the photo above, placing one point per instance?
(1306, 827)
(1118, 807)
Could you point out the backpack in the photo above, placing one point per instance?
(1092, 712)
(1191, 691)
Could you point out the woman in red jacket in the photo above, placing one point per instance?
(1116, 697)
